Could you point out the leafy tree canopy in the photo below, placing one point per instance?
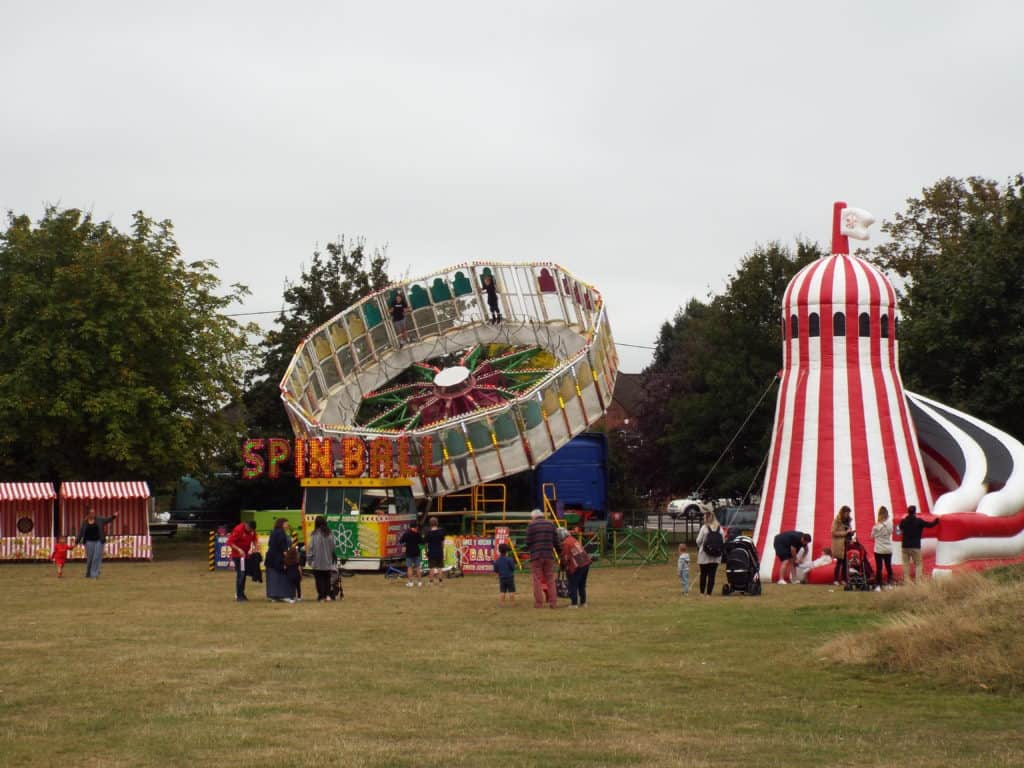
(331, 283)
(115, 358)
(960, 250)
(712, 365)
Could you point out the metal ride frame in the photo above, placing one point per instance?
(356, 354)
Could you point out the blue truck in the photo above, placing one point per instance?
(579, 472)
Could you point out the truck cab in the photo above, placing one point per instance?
(366, 515)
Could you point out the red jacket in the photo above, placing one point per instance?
(573, 555)
(242, 537)
(60, 552)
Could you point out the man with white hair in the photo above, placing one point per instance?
(540, 543)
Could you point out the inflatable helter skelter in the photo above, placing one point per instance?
(495, 398)
(846, 433)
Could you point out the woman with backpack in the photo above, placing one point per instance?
(710, 546)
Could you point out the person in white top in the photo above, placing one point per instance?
(804, 564)
(881, 534)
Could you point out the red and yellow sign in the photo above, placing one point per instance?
(347, 457)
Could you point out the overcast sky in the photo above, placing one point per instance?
(645, 146)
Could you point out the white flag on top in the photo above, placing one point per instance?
(854, 222)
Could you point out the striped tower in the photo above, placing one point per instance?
(843, 433)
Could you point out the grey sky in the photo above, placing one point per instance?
(645, 146)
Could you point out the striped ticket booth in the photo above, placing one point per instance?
(128, 536)
(26, 521)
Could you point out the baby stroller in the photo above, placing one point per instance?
(858, 569)
(742, 567)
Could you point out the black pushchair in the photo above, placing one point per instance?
(859, 572)
(742, 566)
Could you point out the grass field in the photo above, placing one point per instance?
(155, 665)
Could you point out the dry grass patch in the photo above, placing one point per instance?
(962, 631)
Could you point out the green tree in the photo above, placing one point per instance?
(959, 250)
(115, 358)
(711, 369)
(330, 284)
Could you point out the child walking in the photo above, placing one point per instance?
(505, 567)
(683, 568)
(60, 555)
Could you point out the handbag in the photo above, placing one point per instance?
(561, 585)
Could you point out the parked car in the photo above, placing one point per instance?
(688, 509)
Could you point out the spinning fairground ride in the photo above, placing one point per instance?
(473, 399)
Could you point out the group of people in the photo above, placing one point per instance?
(285, 560)
(793, 548)
(412, 540)
(543, 538)
(92, 534)
(710, 549)
(399, 308)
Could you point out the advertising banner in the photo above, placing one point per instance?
(477, 554)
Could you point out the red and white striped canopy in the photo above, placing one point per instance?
(27, 492)
(110, 490)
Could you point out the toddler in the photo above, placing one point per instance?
(60, 555)
(505, 567)
(683, 568)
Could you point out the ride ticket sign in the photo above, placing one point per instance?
(477, 554)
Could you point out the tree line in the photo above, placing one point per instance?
(118, 357)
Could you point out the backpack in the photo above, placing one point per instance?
(713, 542)
(580, 557)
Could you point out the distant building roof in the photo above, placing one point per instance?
(628, 392)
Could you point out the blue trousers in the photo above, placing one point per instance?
(93, 559)
(578, 585)
(684, 579)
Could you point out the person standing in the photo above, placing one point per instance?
(881, 534)
(683, 568)
(540, 543)
(60, 555)
(435, 551)
(576, 562)
(240, 542)
(912, 527)
(412, 541)
(492, 299)
(398, 310)
(505, 567)
(710, 545)
(787, 546)
(92, 534)
(841, 527)
(321, 558)
(279, 586)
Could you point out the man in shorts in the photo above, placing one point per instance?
(412, 540)
(787, 545)
(435, 551)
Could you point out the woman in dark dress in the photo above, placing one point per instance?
(279, 587)
(492, 299)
